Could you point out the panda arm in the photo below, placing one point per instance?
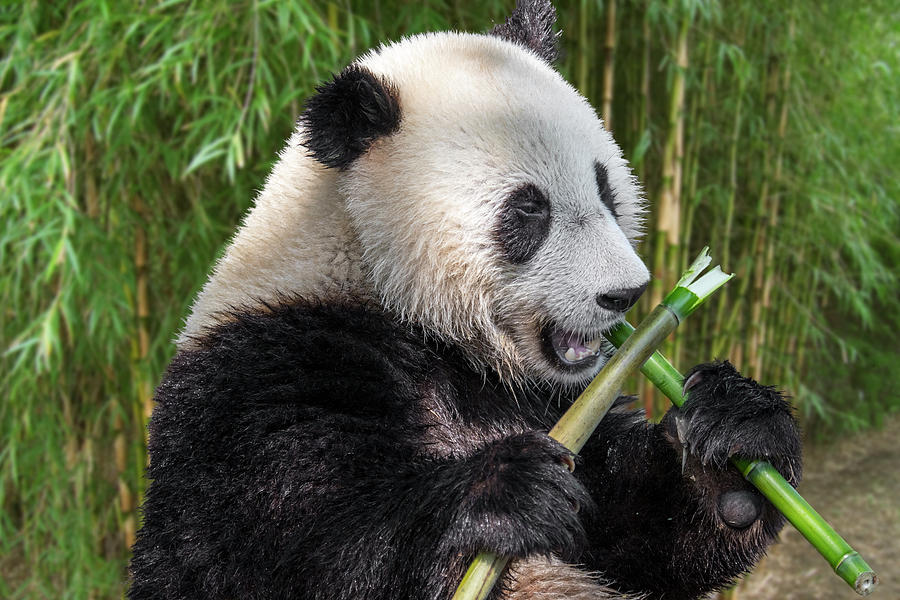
(287, 460)
(659, 529)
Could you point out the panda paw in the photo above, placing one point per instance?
(728, 415)
(524, 500)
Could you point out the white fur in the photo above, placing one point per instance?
(409, 224)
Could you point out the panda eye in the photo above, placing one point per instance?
(607, 196)
(523, 224)
(530, 203)
(533, 210)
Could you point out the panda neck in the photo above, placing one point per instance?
(297, 240)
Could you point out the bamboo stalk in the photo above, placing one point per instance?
(761, 229)
(643, 129)
(776, 202)
(668, 214)
(692, 154)
(582, 418)
(125, 495)
(730, 205)
(846, 562)
(643, 125)
(142, 302)
(667, 236)
(585, 48)
(609, 63)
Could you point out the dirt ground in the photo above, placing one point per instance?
(855, 486)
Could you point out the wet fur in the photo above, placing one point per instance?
(295, 454)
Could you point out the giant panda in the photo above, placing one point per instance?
(362, 392)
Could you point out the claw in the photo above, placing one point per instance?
(681, 429)
(569, 462)
(691, 382)
(681, 432)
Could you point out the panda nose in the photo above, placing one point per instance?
(620, 300)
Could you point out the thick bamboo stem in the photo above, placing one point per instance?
(581, 419)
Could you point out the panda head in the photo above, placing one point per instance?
(490, 203)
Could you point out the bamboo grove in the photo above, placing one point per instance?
(134, 135)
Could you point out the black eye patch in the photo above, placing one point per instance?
(523, 223)
(606, 194)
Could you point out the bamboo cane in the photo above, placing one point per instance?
(579, 422)
(845, 561)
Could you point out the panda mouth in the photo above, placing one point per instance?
(571, 349)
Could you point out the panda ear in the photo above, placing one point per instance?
(347, 114)
(531, 25)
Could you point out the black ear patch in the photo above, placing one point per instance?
(531, 25)
(347, 114)
(523, 224)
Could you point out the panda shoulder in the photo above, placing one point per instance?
(294, 351)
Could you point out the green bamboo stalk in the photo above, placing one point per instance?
(578, 423)
(845, 561)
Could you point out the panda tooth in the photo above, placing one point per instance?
(570, 355)
(593, 345)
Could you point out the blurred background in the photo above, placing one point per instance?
(133, 135)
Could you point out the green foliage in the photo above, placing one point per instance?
(133, 131)
(122, 122)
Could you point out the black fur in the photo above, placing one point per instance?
(531, 25)
(347, 114)
(603, 188)
(730, 415)
(327, 452)
(523, 224)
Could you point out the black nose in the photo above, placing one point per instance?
(620, 300)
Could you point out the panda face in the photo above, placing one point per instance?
(499, 213)
(579, 275)
(572, 274)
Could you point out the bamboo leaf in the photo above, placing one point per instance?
(210, 151)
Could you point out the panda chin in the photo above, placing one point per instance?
(570, 350)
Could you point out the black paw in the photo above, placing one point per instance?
(728, 415)
(523, 499)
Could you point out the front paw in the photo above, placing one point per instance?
(524, 500)
(728, 415)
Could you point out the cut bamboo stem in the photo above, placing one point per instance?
(580, 420)
(845, 561)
